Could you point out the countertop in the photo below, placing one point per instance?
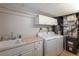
(24, 42)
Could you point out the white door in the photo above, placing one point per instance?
(30, 53)
(39, 48)
(50, 47)
(59, 45)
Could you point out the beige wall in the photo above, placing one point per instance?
(18, 25)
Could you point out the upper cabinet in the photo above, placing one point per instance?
(45, 20)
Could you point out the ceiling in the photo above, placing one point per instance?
(50, 9)
(55, 9)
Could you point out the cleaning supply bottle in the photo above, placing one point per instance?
(19, 38)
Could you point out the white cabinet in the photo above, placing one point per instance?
(59, 45)
(31, 49)
(30, 53)
(38, 48)
(50, 47)
(10, 52)
(45, 20)
(18, 50)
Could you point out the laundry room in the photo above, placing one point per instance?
(39, 29)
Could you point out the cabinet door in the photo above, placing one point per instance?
(43, 19)
(30, 53)
(53, 21)
(26, 48)
(39, 48)
(50, 47)
(18, 50)
(59, 45)
(10, 52)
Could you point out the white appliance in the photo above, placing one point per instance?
(53, 44)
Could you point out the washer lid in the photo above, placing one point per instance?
(48, 36)
(52, 37)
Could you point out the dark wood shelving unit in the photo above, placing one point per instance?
(70, 31)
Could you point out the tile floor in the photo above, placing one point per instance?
(66, 53)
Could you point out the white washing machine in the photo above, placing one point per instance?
(53, 44)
